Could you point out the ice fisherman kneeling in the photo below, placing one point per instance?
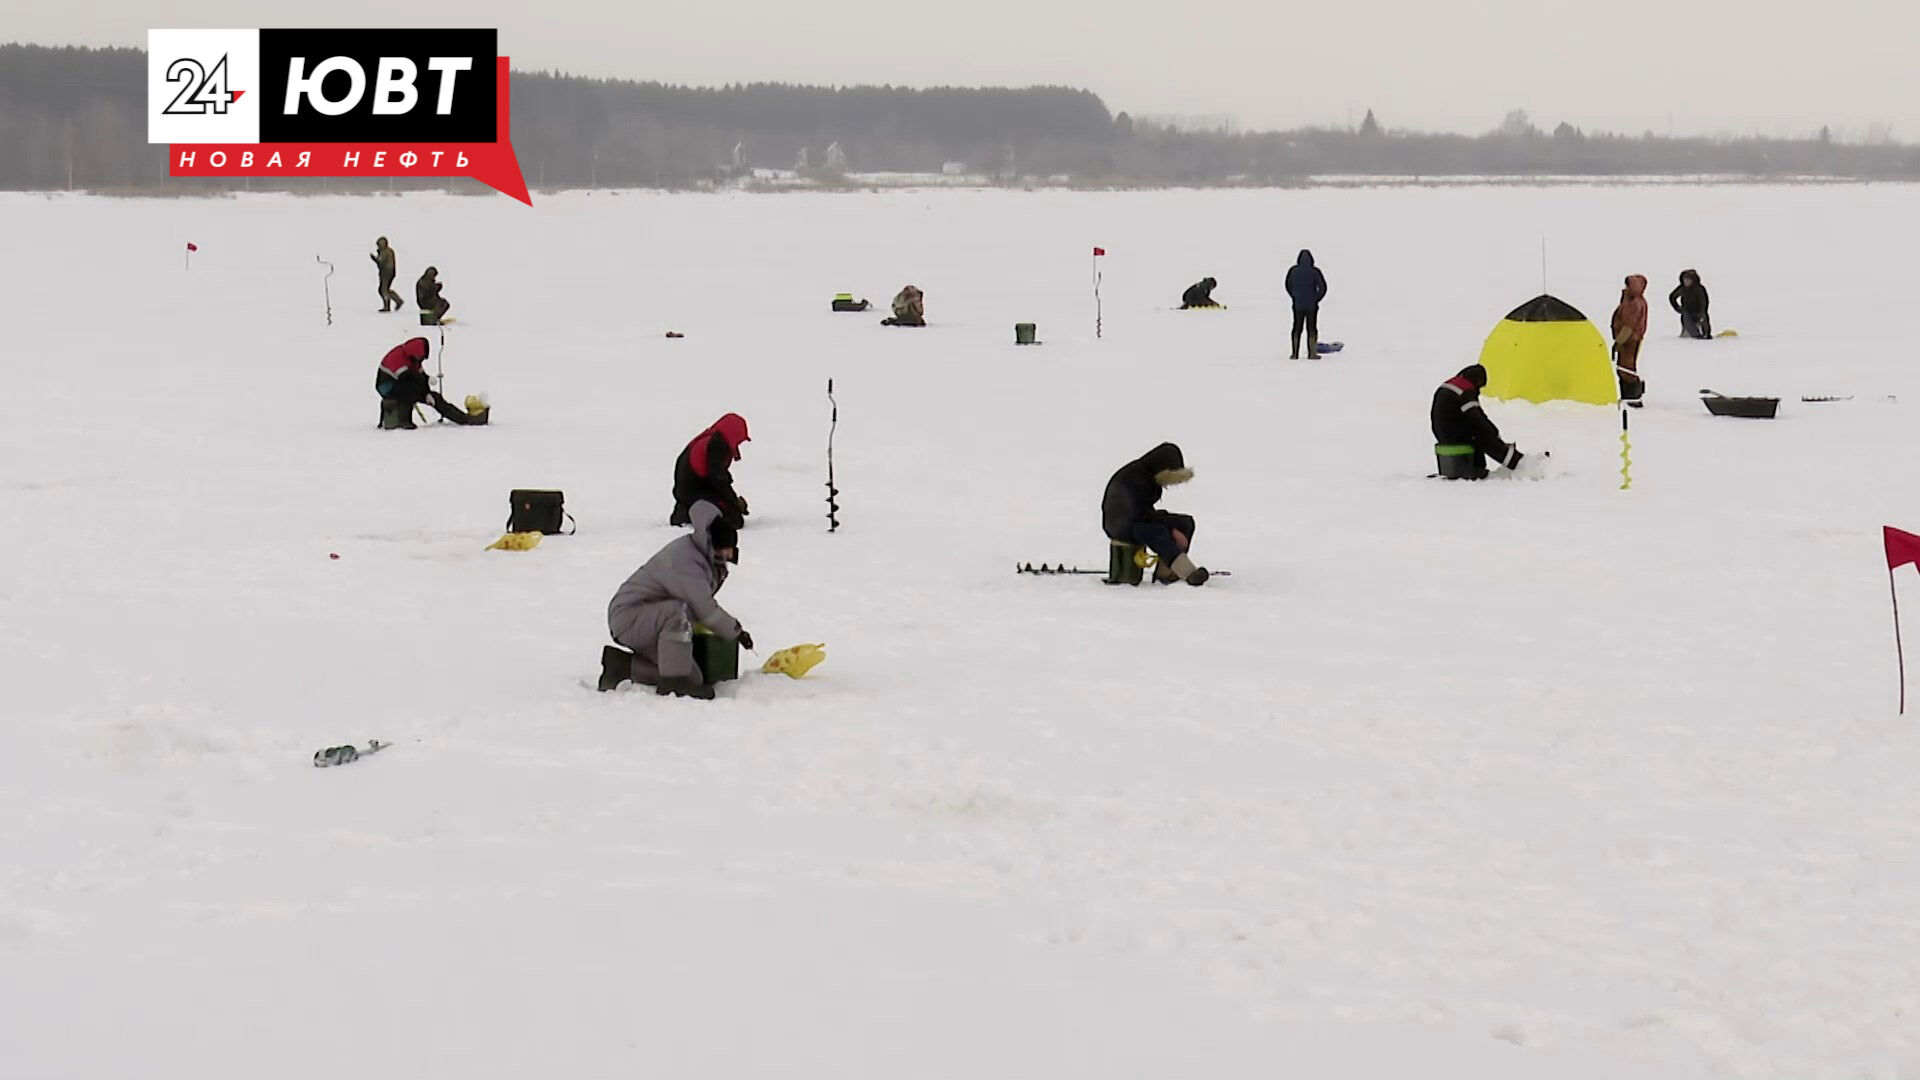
(655, 611)
(1464, 435)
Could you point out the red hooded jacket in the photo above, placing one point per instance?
(1630, 318)
(730, 429)
(409, 354)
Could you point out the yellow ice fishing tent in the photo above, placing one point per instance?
(1545, 350)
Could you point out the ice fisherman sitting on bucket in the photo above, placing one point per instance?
(1464, 435)
(401, 381)
(1128, 513)
(655, 611)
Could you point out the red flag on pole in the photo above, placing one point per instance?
(191, 246)
(1902, 548)
(1099, 251)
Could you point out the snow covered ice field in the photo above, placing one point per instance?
(1523, 779)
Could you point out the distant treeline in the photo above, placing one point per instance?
(75, 117)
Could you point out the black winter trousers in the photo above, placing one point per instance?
(1309, 320)
(409, 389)
(412, 389)
(1155, 533)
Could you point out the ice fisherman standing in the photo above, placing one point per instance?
(387, 263)
(1629, 330)
(655, 610)
(1306, 286)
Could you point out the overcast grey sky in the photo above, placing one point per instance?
(1705, 66)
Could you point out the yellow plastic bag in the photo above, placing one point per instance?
(520, 541)
(795, 661)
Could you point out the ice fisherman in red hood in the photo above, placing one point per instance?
(1629, 330)
(704, 471)
(401, 381)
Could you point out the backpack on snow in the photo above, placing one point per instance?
(532, 510)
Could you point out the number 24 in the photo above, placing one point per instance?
(199, 89)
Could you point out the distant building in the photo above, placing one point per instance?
(954, 168)
(836, 158)
(1217, 123)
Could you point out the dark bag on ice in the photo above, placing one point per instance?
(530, 510)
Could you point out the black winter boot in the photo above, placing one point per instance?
(616, 667)
(684, 686)
(1296, 348)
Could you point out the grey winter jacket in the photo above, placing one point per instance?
(685, 571)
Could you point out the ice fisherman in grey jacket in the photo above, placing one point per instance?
(655, 610)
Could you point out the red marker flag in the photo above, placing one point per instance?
(1099, 251)
(1902, 548)
(191, 246)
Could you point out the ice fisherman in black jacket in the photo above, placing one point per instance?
(1458, 420)
(1128, 513)
(1199, 294)
(1306, 286)
(1689, 300)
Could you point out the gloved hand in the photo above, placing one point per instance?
(745, 639)
(742, 501)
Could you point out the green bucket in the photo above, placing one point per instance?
(1023, 333)
(717, 658)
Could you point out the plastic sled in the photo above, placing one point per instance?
(1750, 408)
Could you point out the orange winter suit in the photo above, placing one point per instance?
(1629, 330)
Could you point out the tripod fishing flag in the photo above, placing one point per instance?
(1902, 548)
